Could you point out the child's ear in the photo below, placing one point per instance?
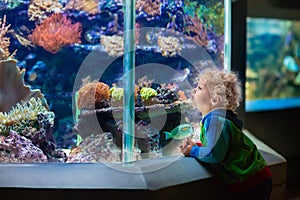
(216, 100)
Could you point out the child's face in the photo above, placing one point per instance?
(201, 97)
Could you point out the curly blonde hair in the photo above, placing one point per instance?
(224, 85)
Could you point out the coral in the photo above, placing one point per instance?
(165, 95)
(33, 121)
(21, 117)
(96, 148)
(18, 149)
(93, 95)
(25, 111)
(148, 96)
(116, 93)
(55, 32)
(113, 45)
(151, 7)
(12, 87)
(146, 93)
(22, 40)
(181, 95)
(170, 46)
(40, 9)
(197, 31)
(89, 6)
(4, 41)
(144, 82)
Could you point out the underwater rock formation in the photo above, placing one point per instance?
(160, 101)
(33, 121)
(96, 148)
(18, 149)
(44, 139)
(148, 140)
(24, 117)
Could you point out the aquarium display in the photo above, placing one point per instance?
(273, 60)
(61, 76)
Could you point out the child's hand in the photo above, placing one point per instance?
(185, 149)
(186, 146)
(190, 141)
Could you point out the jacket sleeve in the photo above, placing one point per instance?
(217, 138)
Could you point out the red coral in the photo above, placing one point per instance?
(55, 32)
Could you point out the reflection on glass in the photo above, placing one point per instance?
(61, 84)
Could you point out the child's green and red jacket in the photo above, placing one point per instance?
(234, 156)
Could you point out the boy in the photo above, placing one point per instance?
(232, 154)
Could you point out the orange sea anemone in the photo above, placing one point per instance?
(55, 32)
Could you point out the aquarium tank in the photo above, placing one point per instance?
(273, 60)
(63, 85)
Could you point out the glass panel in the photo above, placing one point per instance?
(272, 72)
(62, 80)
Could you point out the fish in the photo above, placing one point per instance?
(181, 76)
(30, 56)
(33, 76)
(179, 132)
(35, 71)
(290, 63)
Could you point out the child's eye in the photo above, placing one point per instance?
(200, 88)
